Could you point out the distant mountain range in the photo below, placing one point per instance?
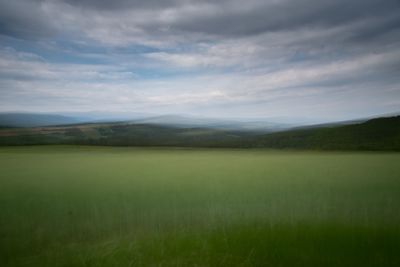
(8, 120)
(374, 134)
(24, 120)
(221, 124)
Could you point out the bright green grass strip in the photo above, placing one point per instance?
(90, 206)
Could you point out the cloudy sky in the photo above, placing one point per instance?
(229, 58)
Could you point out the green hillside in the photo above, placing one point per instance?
(375, 134)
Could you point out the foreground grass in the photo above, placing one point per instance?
(88, 206)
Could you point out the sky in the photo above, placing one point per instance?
(318, 59)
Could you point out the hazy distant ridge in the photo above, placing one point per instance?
(34, 120)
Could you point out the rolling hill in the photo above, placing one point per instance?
(124, 134)
(374, 134)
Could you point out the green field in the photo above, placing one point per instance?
(94, 206)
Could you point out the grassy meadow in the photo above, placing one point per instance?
(104, 206)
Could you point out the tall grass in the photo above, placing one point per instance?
(92, 206)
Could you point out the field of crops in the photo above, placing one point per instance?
(96, 206)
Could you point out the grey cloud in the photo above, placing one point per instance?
(290, 15)
(374, 30)
(25, 19)
(216, 18)
(16, 66)
(123, 4)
